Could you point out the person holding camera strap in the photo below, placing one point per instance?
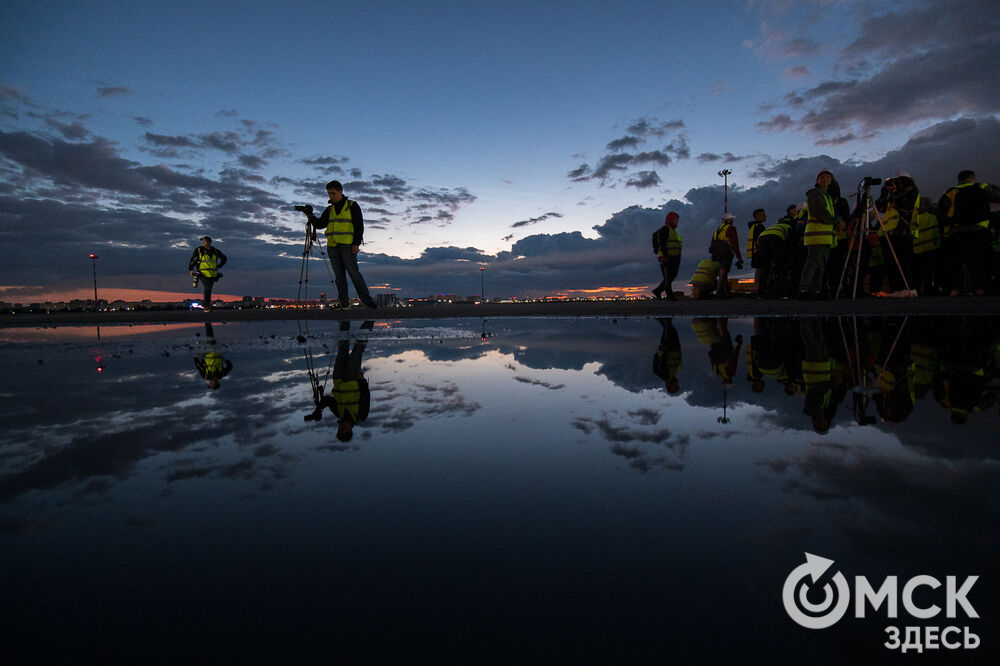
(344, 227)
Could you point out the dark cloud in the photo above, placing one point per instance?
(644, 180)
(915, 63)
(534, 220)
(780, 122)
(623, 154)
(112, 91)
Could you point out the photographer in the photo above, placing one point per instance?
(344, 227)
(204, 265)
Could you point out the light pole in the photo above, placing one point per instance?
(725, 189)
(93, 261)
(482, 283)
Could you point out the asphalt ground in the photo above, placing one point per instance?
(734, 307)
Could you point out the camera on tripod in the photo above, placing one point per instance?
(307, 209)
(868, 181)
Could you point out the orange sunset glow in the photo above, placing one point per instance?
(42, 294)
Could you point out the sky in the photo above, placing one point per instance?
(543, 142)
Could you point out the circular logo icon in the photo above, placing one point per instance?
(797, 586)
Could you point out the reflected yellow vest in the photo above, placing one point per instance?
(347, 393)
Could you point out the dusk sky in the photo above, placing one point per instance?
(542, 140)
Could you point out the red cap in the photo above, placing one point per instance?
(672, 218)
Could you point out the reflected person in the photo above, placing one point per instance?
(667, 360)
(350, 399)
(817, 375)
(212, 365)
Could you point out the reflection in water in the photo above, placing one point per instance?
(541, 482)
(350, 397)
(210, 363)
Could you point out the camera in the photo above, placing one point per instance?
(307, 209)
(868, 181)
(194, 280)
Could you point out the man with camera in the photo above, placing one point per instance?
(344, 227)
(204, 265)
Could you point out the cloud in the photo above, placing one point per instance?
(797, 72)
(623, 154)
(534, 220)
(916, 63)
(112, 91)
(644, 180)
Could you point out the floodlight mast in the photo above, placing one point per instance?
(725, 189)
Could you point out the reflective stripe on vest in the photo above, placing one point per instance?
(208, 263)
(347, 394)
(340, 230)
(706, 273)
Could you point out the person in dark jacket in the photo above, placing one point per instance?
(204, 265)
(344, 226)
(667, 246)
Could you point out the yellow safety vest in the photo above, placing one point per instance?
(340, 230)
(780, 230)
(752, 235)
(706, 273)
(951, 194)
(673, 243)
(927, 234)
(820, 233)
(208, 263)
(722, 234)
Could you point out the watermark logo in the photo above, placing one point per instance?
(816, 597)
(807, 577)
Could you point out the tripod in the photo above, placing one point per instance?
(307, 252)
(865, 203)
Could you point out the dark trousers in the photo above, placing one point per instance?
(773, 259)
(206, 284)
(669, 268)
(967, 250)
(814, 270)
(898, 267)
(925, 272)
(345, 263)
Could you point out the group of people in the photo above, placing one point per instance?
(898, 244)
(343, 225)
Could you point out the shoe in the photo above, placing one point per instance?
(954, 292)
(658, 294)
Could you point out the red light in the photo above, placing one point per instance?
(93, 256)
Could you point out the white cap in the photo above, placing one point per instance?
(728, 216)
